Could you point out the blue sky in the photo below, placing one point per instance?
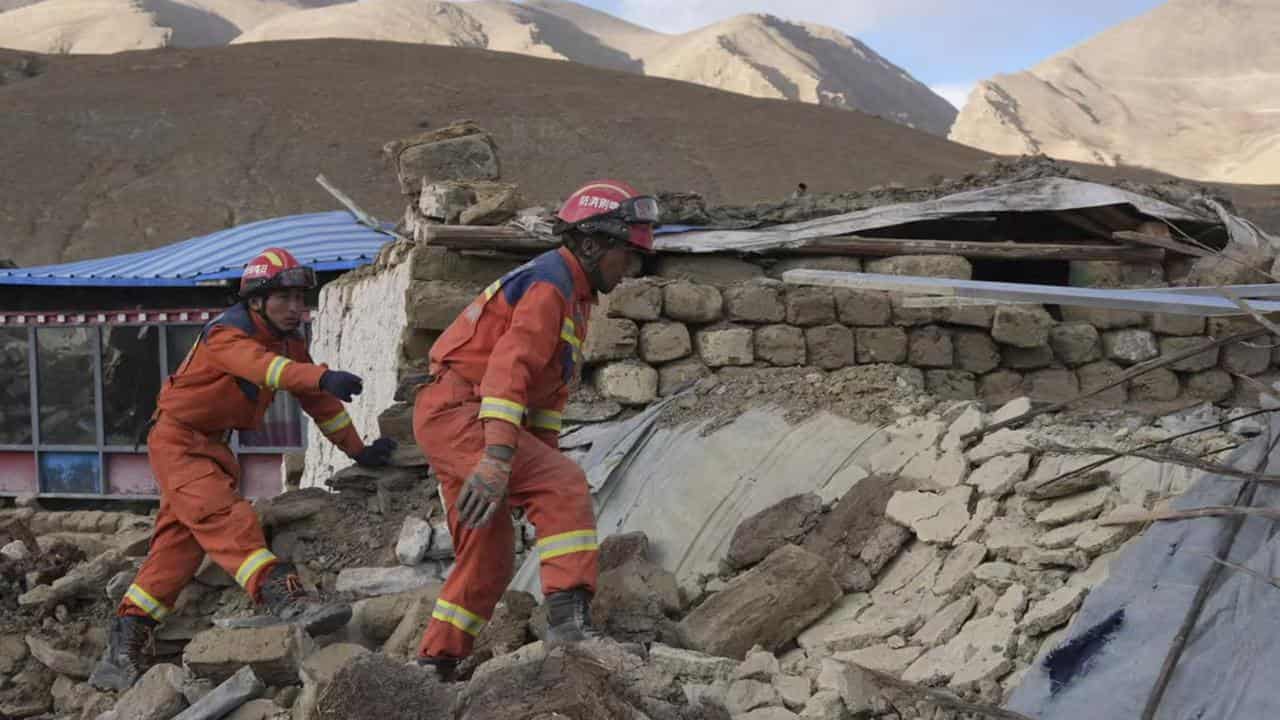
(947, 44)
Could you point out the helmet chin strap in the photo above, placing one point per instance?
(262, 313)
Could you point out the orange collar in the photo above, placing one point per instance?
(581, 285)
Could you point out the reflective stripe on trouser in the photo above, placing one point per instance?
(200, 512)
(550, 488)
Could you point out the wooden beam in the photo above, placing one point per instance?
(485, 237)
(1170, 244)
(882, 247)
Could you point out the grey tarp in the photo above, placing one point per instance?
(689, 492)
(1040, 195)
(1229, 665)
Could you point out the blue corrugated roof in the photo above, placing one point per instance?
(326, 241)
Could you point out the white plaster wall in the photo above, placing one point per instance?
(357, 328)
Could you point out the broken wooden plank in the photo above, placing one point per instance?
(1177, 246)
(486, 237)
(884, 247)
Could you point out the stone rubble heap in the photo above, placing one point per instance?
(947, 567)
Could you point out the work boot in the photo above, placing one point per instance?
(445, 668)
(285, 598)
(124, 660)
(569, 618)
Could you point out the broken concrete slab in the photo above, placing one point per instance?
(1010, 536)
(946, 624)
(957, 569)
(936, 470)
(759, 665)
(998, 476)
(980, 652)
(1065, 536)
(1081, 506)
(882, 657)
(794, 690)
(1053, 610)
(871, 627)
(1001, 442)
(855, 686)
(934, 518)
(1045, 483)
(691, 666)
(747, 695)
(275, 653)
(71, 663)
(768, 605)
(371, 582)
(1013, 603)
(414, 541)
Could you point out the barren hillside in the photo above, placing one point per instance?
(1190, 88)
(141, 149)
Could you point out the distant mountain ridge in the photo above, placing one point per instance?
(758, 55)
(1191, 88)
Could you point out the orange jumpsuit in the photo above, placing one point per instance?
(226, 382)
(502, 376)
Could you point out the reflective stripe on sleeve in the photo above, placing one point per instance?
(335, 423)
(567, 543)
(276, 370)
(546, 420)
(252, 564)
(459, 617)
(500, 409)
(149, 604)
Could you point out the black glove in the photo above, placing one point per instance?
(342, 385)
(376, 454)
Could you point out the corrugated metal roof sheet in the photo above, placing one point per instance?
(326, 241)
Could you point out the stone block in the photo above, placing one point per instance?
(1075, 343)
(787, 521)
(768, 605)
(975, 351)
(414, 541)
(1026, 358)
(639, 300)
(1103, 319)
(863, 308)
(755, 302)
(1226, 326)
(629, 382)
(951, 384)
(434, 304)
(610, 339)
(880, 345)
(374, 581)
(435, 157)
(1128, 347)
(1024, 326)
(155, 696)
(720, 270)
(834, 263)
(722, 346)
(939, 266)
(781, 345)
(1001, 386)
(1244, 359)
(1159, 385)
(692, 302)
(930, 347)
(1163, 324)
(1052, 385)
(810, 306)
(747, 695)
(977, 316)
(1099, 374)
(275, 653)
(664, 341)
(830, 347)
(690, 666)
(1195, 363)
(1115, 274)
(907, 316)
(438, 263)
(674, 375)
(1212, 385)
(397, 422)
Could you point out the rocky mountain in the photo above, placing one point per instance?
(759, 55)
(1191, 88)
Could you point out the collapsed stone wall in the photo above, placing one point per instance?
(357, 327)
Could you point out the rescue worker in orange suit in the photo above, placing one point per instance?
(227, 382)
(489, 423)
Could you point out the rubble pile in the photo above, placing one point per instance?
(950, 566)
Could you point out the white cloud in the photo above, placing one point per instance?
(954, 93)
(850, 16)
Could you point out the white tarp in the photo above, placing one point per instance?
(1039, 195)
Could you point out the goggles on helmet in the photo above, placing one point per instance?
(639, 210)
(295, 277)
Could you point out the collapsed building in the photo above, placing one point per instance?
(841, 470)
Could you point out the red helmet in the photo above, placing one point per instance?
(613, 208)
(275, 269)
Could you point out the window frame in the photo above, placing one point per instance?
(162, 321)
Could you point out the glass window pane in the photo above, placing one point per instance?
(130, 380)
(15, 387)
(67, 411)
(69, 472)
(181, 338)
(282, 426)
